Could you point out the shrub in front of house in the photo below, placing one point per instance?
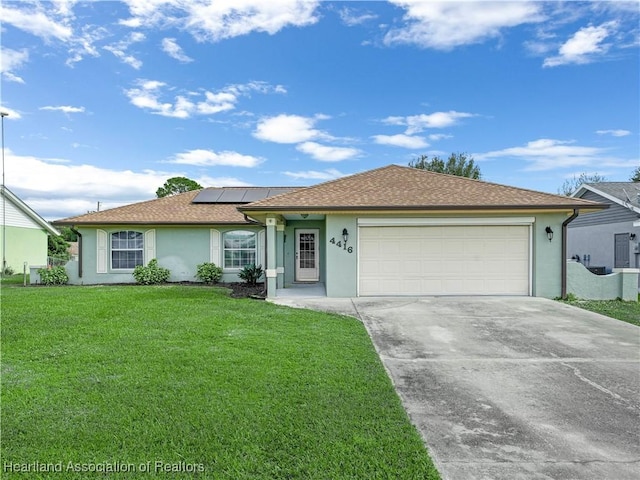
(209, 272)
(251, 274)
(152, 274)
(53, 276)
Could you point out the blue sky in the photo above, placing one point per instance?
(106, 100)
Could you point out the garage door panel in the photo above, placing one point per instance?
(444, 260)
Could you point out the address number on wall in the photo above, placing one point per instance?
(340, 244)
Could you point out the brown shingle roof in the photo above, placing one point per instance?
(176, 209)
(396, 188)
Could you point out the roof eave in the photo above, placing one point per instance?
(321, 208)
(124, 222)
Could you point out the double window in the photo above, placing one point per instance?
(239, 248)
(127, 250)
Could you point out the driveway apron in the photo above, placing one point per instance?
(511, 387)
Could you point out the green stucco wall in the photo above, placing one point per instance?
(24, 245)
(180, 249)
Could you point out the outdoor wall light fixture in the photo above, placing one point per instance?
(549, 233)
(345, 235)
(632, 236)
(304, 215)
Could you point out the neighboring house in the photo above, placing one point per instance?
(389, 231)
(607, 239)
(24, 233)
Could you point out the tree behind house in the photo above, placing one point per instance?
(176, 185)
(570, 185)
(459, 164)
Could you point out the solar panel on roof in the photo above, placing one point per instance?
(255, 194)
(238, 194)
(208, 195)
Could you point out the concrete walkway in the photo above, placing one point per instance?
(509, 388)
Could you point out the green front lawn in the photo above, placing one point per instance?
(626, 311)
(116, 377)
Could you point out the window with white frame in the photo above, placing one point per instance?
(127, 250)
(239, 248)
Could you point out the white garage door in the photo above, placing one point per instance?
(444, 260)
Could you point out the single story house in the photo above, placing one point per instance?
(389, 231)
(24, 233)
(609, 239)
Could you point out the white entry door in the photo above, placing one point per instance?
(307, 255)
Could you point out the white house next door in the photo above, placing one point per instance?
(307, 255)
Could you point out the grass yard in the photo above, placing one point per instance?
(626, 311)
(145, 380)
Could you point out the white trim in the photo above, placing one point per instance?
(608, 196)
(214, 246)
(27, 210)
(271, 273)
(419, 221)
(102, 239)
(149, 246)
(280, 270)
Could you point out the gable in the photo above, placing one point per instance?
(616, 213)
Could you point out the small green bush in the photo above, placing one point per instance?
(209, 273)
(53, 276)
(152, 274)
(251, 274)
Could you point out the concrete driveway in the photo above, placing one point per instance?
(510, 388)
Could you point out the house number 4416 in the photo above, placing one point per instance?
(340, 245)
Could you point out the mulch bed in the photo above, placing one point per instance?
(243, 290)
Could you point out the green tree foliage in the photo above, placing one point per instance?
(57, 247)
(635, 175)
(570, 185)
(68, 234)
(459, 164)
(177, 185)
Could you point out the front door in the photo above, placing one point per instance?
(621, 255)
(307, 255)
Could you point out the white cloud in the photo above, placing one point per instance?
(10, 61)
(148, 93)
(584, 46)
(328, 174)
(209, 158)
(64, 109)
(438, 136)
(54, 22)
(352, 17)
(446, 25)
(171, 48)
(119, 49)
(418, 123)
(614, 133)
(34, 20)
(326, 153)
(13, 114)
(289, 129)
(56, 188)
(401, 140)
(550, 154)
(216, 20)
(206, 181)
